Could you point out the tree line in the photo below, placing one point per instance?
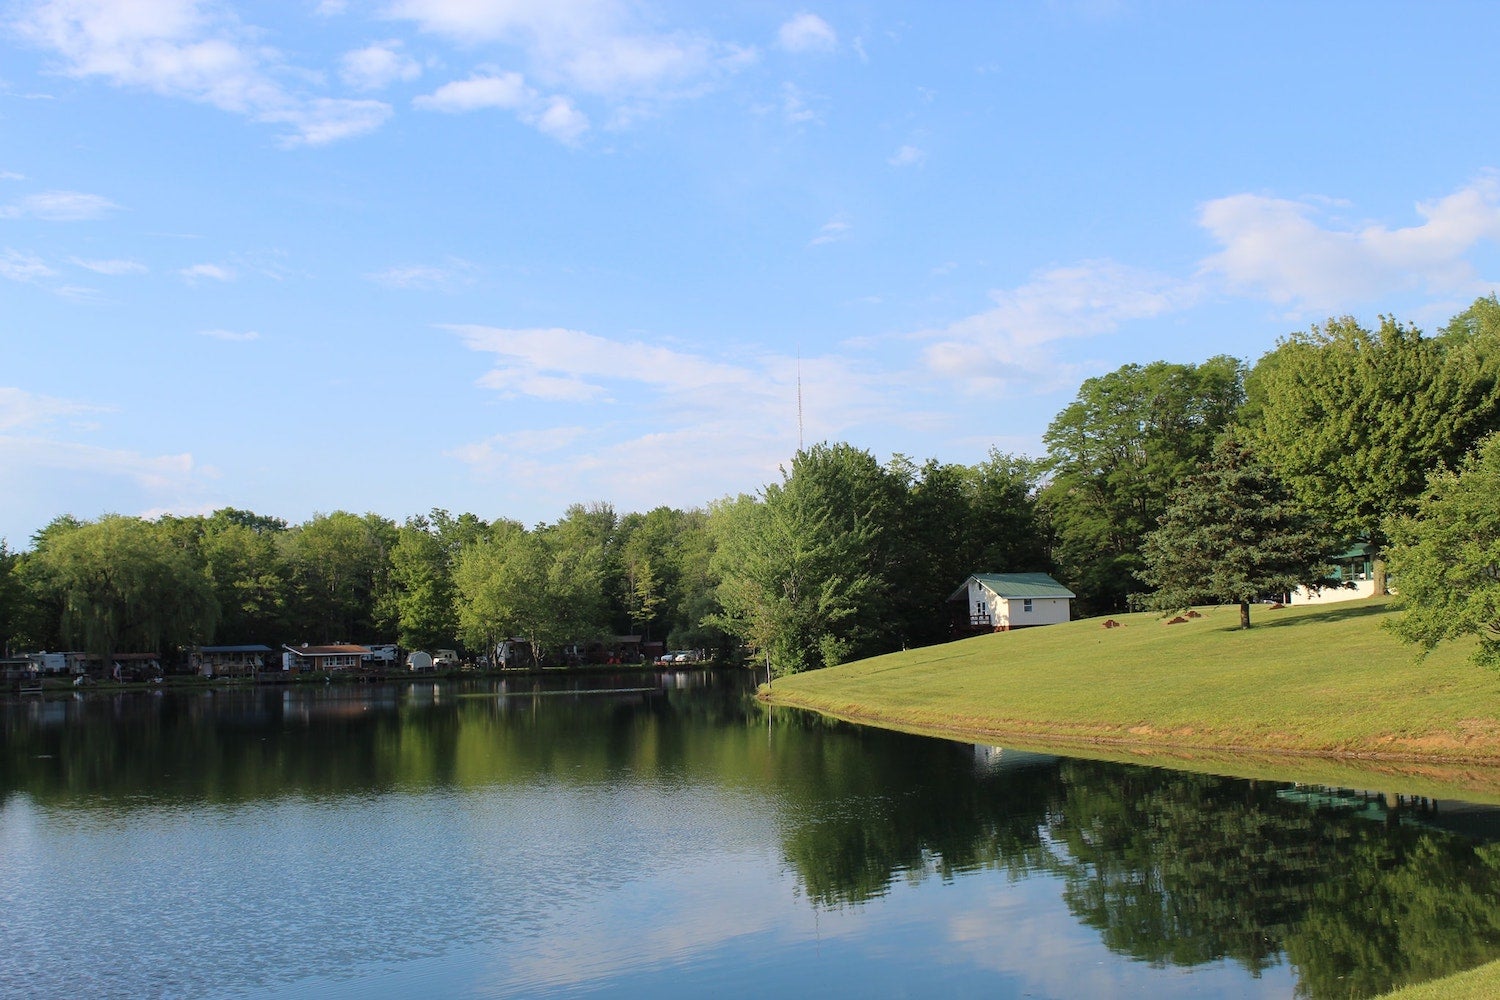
(1163, 484)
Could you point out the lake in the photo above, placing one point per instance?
(663, 835)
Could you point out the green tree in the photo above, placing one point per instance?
(12, 597)
(802, 572)
(1230, 535)
(125, 587)
(338, 569)
(1354, 420)
(420, 600)
(1447, 555)
(544, 586)
(244, 565)
(1115, 454)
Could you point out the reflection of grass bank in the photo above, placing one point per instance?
(1482, 983)
(1326, 684)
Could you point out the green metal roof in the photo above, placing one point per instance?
(1013, 585)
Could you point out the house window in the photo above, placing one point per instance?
(1026, 604)
(979, 608)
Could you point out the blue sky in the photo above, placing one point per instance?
(506, 255)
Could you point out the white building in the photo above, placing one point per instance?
(999, 602)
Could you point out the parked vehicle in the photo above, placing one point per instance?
(381, 654)
(445, 659)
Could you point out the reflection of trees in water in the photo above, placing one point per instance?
(1171, 868)
(877, 805)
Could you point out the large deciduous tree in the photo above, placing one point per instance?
(1354, 420)
(543, 586)
(1447, 558)
(124, 586)
(1115, 454)
(1230, 535)
(802, 569)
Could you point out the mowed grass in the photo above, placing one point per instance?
(1323, 682)
(1482, 983)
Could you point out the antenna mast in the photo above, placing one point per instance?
(799, 398)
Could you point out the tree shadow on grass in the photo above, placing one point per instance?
(1264, 617)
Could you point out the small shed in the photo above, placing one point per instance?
(999, 602)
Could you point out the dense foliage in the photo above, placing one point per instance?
(1231, 535)
(846, 557)
(1448, 559)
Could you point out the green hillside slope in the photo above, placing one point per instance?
(1324, 684)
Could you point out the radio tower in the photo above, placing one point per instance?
(799, 398)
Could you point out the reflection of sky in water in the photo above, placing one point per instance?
(667, 891)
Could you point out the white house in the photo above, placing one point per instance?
(999, 602)
(1354, 571)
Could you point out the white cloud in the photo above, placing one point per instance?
(377, 66)
(833, 231)
(1007, 345)
(555, 116)
(572, 49)
(110, 267)
(19, 408)
(907, 156)
(1291, 252)
(18, 266)
(794, 108)
(807, 33)
(192, 50)
(59, 206)
(427, 277)
(483, 90)
(230, 335)
(7, 175)
(322, 120)
(213, 271)
(151, 472)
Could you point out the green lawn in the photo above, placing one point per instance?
(1311, 693)
(1482, 983)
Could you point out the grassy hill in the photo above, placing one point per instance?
(1314, 693)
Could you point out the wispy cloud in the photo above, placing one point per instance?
(1299, 253)
(377, 66)
(833, 231)
(907, 156)
(794, 107)
(59, 206)
(807, 33)
(556, 115)
(447, 276)
(23, 267)
(193, 50)
(214, 272)
(569, 51)
(20, 408)
(1008, 345)
(110, 267)
(238, 336)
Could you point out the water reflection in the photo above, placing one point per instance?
(533, 816)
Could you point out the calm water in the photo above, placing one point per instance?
(500, 840)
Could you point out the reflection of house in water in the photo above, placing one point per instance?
(997, 759)
(1467, 819)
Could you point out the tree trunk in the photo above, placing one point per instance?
(1244, 614)
(1377, 575)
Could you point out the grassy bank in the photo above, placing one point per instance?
(1482, 983)
(1310, 693)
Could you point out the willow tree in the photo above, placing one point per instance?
(124, 587)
